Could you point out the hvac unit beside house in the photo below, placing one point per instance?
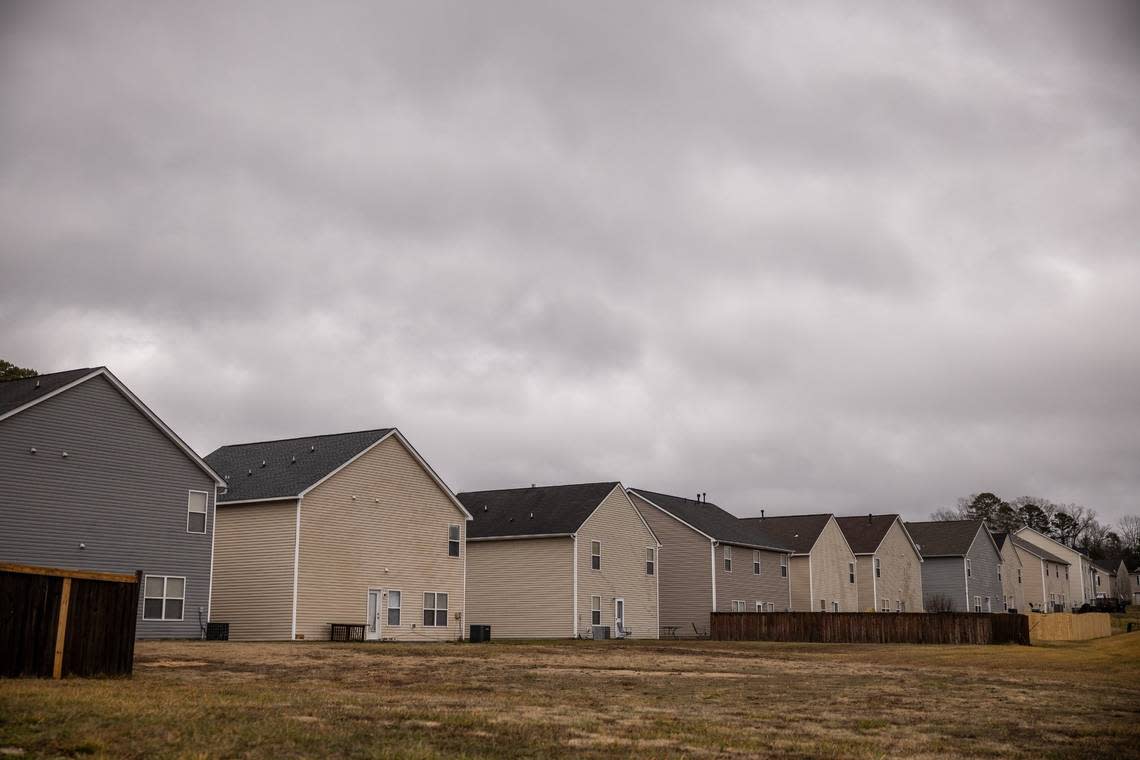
(600, 632)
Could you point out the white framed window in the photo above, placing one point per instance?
(435, 610)
(596, 555)
(850, 572)
(878, 568)
(885, 605)
(756, 569)
(999, 572)
(595, 610)
(823, 605)
(771, 607)
(453, 540)
(835, 606)
(902, 606)
(650, 560)
(759, 606)
(1019, 575)
(197, 504)
(728, 559)
(977, 604)
(783, 565)
(898, 605)
(164, 597)
(969, 570)
(393, 608)
(989, 607)
(738, 605)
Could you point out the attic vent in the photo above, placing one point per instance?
(312, 448)
(262, 462)
(249, 472)
(293, 460)
(227, 477)
(532, 515)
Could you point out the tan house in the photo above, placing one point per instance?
(1047, 577)
(888, 564)
(1012, 575)
(1083, 586)
(823, 566)
(711, 561)
(570, 561)
(1103, 578)
(1128, 581)
(347, 528)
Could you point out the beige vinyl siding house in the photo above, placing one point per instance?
(696, 577)
(1080, 588)
(556, 561)
(888, 564)
(1013, 575)
(347, 528)
(1046, 577)
(823, 570)
(1131, 584)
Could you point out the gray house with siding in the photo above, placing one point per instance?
(92, 479)
(960, 566)
(711, 561)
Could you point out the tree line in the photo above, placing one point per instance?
(1073, 525)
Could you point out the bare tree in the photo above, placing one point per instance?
(939, 603)
(1128, 528)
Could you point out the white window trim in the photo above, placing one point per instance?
(598, 555)
(650, 560)
(783, 565)
(878, 568)
(164, 597)
(726, 558)
(977, 604)
(850, 573)
(388, 606)
(205, 514)
(885, 605)
(969, 569)
(425, 608)
(757, 565)
(759, 606)
(835, 606)
(739, 605)
(458, 541)
(598, 610)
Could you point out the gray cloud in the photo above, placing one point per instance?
(819, 256)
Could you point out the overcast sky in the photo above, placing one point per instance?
(802, 256)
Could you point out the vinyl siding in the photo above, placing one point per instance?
(1078, 591)
(624, 539)
(685, 572)
(392, 536)
(253, 570)
(743, 584)
(122, 492)
(944, 576)
(1032, 581)
(983, 581)
(1013, 591)
(1057, 584)
(900, 576)
(799, 576)
(521, 588)
(829, 558)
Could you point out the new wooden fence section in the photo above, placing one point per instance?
(56, 622)
(871, 627)
(1065, 626)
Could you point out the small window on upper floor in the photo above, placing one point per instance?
(999, 572)
(756, 562)
(196, 507)
(850, 572)
(878, 568)
(969, 570)
(650, 560)
(728, 559)
(783, 565)
(453, 540)
(596, 555)
(1019, 575)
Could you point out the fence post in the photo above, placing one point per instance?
(61, 628)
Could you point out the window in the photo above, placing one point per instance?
(823, 605)
(394, 608)
(784, 566)
(850, 572)
(435, 610)
(728, 559)
(969, 570)
(989, 608)
(902, 606)
(650, 560)
(835, 606)
(163, 597)
(595, 610)
(755, 562)
(196, 512)
(738, 606)
(596, 555)
(771, 607)
(885, 605)
(1019, 575)
(977, 604)
(453, 540)
(878, 568)
(898, 605)
(759, 606)
(999, 573)
(1066, 573)
(1096, 578)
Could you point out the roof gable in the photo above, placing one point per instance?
(710, 520)
(797, 532)
(285, 469)
(865, 534)
(947, 538)
(534, 511)
(1037, 551)
(19, 395)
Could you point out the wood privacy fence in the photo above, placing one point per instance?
(1065, 626)
(56, 623)
(871, 627)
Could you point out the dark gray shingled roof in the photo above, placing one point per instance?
(290, 465)
(713, 521)
(534, 511)
(16, 393)
(797, 532)
(1000, 539)
(1107, 565)
(1037, 550)
(944, 538)
(865, 533)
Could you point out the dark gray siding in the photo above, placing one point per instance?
(122, 491)
(944, 576)
(983, 580)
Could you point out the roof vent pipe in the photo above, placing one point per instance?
(761, 514)
(262, 462)
(705, 497)
(869, 518)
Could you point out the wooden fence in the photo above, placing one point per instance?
(56, 622)
(1065, 626)
(871, 627)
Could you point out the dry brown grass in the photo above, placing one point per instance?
(590, 699)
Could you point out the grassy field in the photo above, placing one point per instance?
(590, 699)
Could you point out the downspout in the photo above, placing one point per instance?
(213, 532)
(811, 586)
(1043, 594)
(966, 578)
(574, 605)
(296, 565)
(712, 557)
(874, 583)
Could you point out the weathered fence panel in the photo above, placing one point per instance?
(56, 622)
(871, 627)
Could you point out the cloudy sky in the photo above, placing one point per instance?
(803, 256)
